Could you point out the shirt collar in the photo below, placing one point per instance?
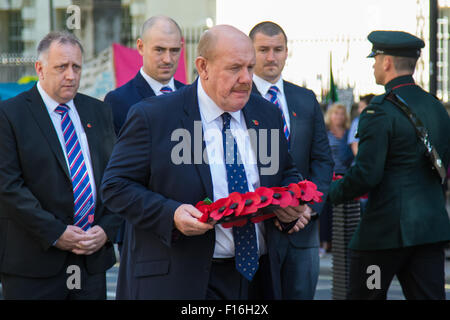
(156, 85)
(209, 109)
(263, 86)
(407, 79)
(49, 102)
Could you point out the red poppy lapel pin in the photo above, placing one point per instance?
(294, 113)
(256, 122)
(89, 125)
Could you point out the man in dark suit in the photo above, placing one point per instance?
(160, 47)
(405, 224)
(309, 147)
(154, 179)
(54, 145)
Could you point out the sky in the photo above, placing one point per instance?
(320, 28)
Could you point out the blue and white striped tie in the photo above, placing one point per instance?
(166, 90)
(84, 206)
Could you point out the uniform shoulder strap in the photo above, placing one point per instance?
(422, 133)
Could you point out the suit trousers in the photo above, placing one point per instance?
(62, 286)
(419, 269)
(226, 283)
(299, 270)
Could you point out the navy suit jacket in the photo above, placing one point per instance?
(310, 150)
(121, 99)
(144, 184)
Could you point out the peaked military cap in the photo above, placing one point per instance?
(395, 43)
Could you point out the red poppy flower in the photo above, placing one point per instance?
(251, 201)
(205, 210)
(220, 208)
(281, 197)
(236, 205)
(262, 217)
(308, 190)
(237, 223)
(265, 195)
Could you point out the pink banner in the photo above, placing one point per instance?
(128, 61)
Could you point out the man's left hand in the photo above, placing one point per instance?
(97, 239)
(302, 213)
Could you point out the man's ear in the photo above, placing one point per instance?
(202, 67)
(140, 46)
(388, 63)
(38, 69)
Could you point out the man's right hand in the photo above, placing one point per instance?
(70, 238)
(186, 221)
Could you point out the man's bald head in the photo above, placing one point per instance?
(225, 62)
(162, 23)
(219, 36)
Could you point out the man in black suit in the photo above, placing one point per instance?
(54, 145)
(168, 253)
(160, 47)
(309, 147)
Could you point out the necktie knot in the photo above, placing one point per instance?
(226, 118)
(273, 90)
(166, 90)
(62, 109)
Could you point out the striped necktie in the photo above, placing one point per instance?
(84, 206)
(166, 90)
(273, 97)
(245, 245)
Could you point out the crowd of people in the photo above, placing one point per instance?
(78, 175)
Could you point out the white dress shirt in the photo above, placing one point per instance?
(155, 85)
(263, 87)
(56, 120)
(212, 125)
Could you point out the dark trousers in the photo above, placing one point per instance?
(226, 283)
(419, 269)
(58, 287)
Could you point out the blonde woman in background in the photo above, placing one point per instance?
(337, 122)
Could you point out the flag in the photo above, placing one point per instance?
(332, 95)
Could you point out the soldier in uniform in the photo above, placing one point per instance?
(405, 226)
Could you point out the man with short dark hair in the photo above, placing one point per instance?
(405, 224)
(305, 132)
(55, 233)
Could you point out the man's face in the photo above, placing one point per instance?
(161, 52)
(59, 71)
(378, 71)
(271, 55)
(229, 74)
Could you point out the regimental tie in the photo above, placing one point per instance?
(166, 90)
(273, 97)
(246, 247)
(84, 206)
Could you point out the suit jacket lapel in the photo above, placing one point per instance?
(142, 86)
(294, 111)
(254, 123)
(39, 111)
(192, 123)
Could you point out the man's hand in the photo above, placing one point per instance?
(186, 221)
(302, 221)
(95, 240)
(289, 214)
(69, 239)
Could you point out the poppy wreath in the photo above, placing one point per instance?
(238, 208)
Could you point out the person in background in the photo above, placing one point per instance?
(307, 138)
(352, 139)
(405, 226)
(160, 47)
(55, 233)
(337, 122)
